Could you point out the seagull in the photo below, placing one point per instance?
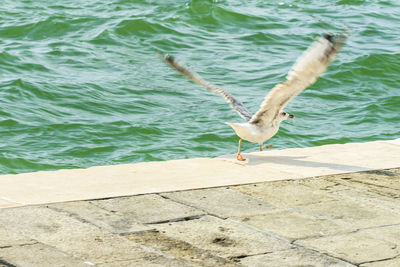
(265, 123)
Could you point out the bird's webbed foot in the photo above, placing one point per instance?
(266, 147)
(240, 157)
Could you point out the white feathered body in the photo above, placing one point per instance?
(254, 133)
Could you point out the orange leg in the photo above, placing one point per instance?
(239, 156)
(262, 148)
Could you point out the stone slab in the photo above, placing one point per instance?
(293, 257)
(351, 213)
(379, 178)
(230, 203)
(386, 263)
(389, 233)
(39, 255)
(367, 197)
(158, 261)
(293, 225)
(10, 238)
(285, 194)
(175, 175)
(384, 182)
(380, 188)
(223, 238)
(150, 208)
(71, 236)
(185, 234)
(356, 248)
(114, 222)
(184, 251)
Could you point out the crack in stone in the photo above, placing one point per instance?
(325, 254)
(194, 207)
(237, 258)
(370, 184)
(384, 172)
(188, 218)
(179, 249)
(260, 231)
(6, 264)
(392, 258)
(137, 232)
(73, 216)
(82, 220)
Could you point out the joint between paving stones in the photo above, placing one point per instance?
(370, 184)
(335, 257)
(260, 231)
(6, 264)
(236, 258)
(138, 232)
(293, 242)
(194, 207)
(188, 218)
(325, 254)
(381, 260)
(72, 215)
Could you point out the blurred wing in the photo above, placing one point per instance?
(308, 67)
(235, 104)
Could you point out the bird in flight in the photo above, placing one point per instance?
(265, 123)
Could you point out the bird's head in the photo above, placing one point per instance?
(284, 116)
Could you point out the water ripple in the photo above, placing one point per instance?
(81, 83)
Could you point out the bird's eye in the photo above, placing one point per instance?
(283, 113)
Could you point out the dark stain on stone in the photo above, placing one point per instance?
(223, 241)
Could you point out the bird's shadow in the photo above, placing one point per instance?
(254, 160)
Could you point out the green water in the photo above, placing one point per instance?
(81, 84)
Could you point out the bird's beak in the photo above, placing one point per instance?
(291, 116)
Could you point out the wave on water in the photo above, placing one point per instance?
(81, 83)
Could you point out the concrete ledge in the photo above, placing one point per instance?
(175, 175)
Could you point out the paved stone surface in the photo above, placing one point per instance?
(111, 221)
(370, 198)
(354, 247)
(285, 194)
(337, 220)
(39, 255)
(389, 233)
(9, 238)
(386, 263)
(184, 251)
(233, 203)
(223, 237)
(150, 208)
(293, 225)
(147, 262)
(349, 212)
(383, 182)
(71, 236)
(293, 257)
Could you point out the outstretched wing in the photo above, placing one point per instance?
(235, 104)
(308, 67)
